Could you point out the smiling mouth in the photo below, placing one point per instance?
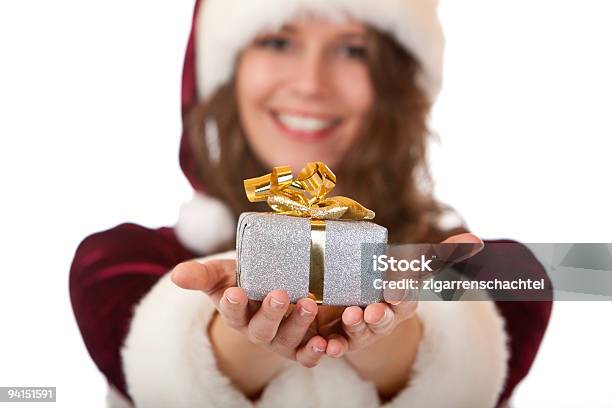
(305, 127)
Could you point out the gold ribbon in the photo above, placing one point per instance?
(317, 259)
(306, 196)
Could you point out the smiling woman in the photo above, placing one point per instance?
(317, 101)
(284, 82)
(343, 93)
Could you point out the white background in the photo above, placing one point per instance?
(89, 132)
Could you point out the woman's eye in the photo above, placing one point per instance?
(275, 43)
(353, 51)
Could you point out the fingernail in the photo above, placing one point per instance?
(317, 349)
(408, 295)
(276, 303)
(303, 312)
(384, 319)
(232, 300)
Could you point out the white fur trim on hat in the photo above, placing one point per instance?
(204, 223)
(225, 27)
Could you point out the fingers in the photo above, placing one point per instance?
(292, 331)
(211, 277)
(356, 329)
(264, 324)
(380, 319)
(402, 302)
(405, 309)
(465, 238)
(337, 346)
(311, 353)
(463, 252)
(233, 308)
(353, 324)
(394, 295)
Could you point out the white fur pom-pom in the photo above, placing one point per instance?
(204, 223)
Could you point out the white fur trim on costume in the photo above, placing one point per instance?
(332, 383)
(204, 223)
(114, 399)
(462, 358)
(225, 27)
(169, 362)
(167, 357)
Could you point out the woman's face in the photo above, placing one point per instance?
(304, 92)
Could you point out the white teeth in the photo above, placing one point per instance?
(304, 124)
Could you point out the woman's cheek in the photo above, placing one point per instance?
(361, 91)
(354, 84)
(254, 80)
(358, 98)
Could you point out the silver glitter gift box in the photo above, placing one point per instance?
(302, 256)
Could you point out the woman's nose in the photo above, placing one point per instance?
(311, 74)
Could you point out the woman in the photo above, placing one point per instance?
(286, 82)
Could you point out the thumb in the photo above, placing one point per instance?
(466, 246)
(465, 238)
(211, 277)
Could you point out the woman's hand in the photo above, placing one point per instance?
(271, 324)
(353, 328)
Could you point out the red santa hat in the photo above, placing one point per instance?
(222, 28)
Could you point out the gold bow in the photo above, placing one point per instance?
(305, 195)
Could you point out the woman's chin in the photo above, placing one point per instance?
(296, 154)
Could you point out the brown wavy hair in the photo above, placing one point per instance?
(385, 169)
